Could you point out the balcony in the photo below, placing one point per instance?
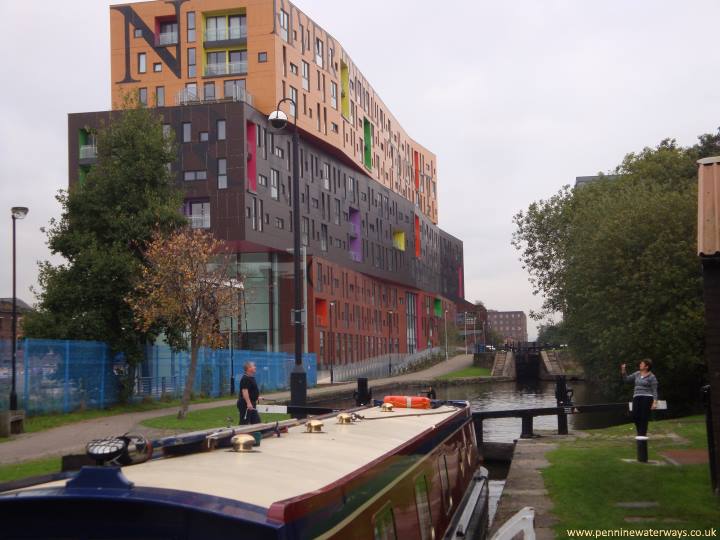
(199, 222)
(231, 36)
(87, 154)
(232, 68)
(192, 97)
(164, 39)
(353, 229)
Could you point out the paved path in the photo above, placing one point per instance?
(73, 437)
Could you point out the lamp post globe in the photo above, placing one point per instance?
(17, 212)
(298, 377)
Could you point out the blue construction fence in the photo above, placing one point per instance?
(60, 376)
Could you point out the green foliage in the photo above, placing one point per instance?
(552, 333)
(618, 258)
(27, 469)
(105, 226)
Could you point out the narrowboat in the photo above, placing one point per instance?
(370, 472)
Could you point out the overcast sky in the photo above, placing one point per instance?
(514, 98)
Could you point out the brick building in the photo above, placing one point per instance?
(379, 272)
(512, 325)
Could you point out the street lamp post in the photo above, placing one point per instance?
(332, 347)
(240, 286)
(298, 377)
(465, 313)
(390, 313)
(18, 212)
(447, 357)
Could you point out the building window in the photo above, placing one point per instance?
(191, 26)
(238, 62)
(142, 96)
(294, 97)
(262, 57)
(192, 72)
(203, 136)
(191, 91)
(160, 96)
(333, 95)
(319, 52)
(222, 173)
(168, 34)
(209, 91)
(142, 62)
(221, 130)
(305, 75)
(191, 176)
(305, 231)
(326, 175)
(293, 68)
(238, 26)
(279, 223)
(215, 29)
(235, 89)
(262, 180)
(187, 132)
(323, 237)
(157, 67)
(137, 33)
(275, 184)
(198, 213)
(334, 127)
(284, 24)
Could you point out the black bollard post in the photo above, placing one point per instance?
(478, 424)
(710, 437)
(363, 395)
(527, 427)
(561, 396)
(642, 448)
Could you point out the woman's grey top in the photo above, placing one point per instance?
(644, 386)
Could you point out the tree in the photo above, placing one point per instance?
(618, 259)
(552, 332)
(103, 231)
(185, 286)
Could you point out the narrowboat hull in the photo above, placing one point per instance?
(428, 486)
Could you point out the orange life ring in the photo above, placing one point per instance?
(408, 402)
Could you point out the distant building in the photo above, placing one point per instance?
(6, 308)
(471, 321)
(512, 325)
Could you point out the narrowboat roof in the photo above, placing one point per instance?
(294, 464)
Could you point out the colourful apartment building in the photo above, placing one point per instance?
(379, 273)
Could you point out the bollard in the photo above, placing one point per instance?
(527, 427)
(710, 437)
(363, 395)
(563, 396)
(642, 448)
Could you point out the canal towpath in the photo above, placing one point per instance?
(72, 438)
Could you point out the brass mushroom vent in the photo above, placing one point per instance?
(386, 407)
(344, 418)
(243, 442)
(314, 426)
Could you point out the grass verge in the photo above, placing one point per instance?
(25, 469)
(43, 422)
(467, 372)
(206, 419)
(587, 478)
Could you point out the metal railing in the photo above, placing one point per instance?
(386, 365)
(232, 68)
(224, 34)
(167, 38)
(199, 222)
(192, 97)
(88, 151)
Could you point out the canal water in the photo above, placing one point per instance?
(499, 396)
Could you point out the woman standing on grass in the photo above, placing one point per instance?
(645, 394)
